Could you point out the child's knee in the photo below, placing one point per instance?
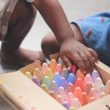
(49, 44)
(48, 40)
(23, 12)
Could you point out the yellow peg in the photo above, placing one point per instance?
(28, 74)
(38, 73)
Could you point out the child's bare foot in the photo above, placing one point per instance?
(23, 57)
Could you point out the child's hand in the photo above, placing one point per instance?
(72, 51)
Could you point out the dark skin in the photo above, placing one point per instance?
(55, 17)
(19, 26)
(50, 46)
(71, 51)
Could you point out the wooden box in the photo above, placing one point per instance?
(22, 94)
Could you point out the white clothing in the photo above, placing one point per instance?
(3, 5)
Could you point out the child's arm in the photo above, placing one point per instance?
(71, 51)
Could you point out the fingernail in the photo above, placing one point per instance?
(69, 67)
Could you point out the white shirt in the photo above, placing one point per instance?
(3, 5)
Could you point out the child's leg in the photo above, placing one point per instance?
(51, 46)
(20, 23)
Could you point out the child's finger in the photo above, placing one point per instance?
(94, 54)
(91, 59)
(85, 61)
(78, 61)
(66, 61)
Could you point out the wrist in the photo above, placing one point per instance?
(77, 32)
(65, 36)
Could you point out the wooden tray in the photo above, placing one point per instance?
(22, 94)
